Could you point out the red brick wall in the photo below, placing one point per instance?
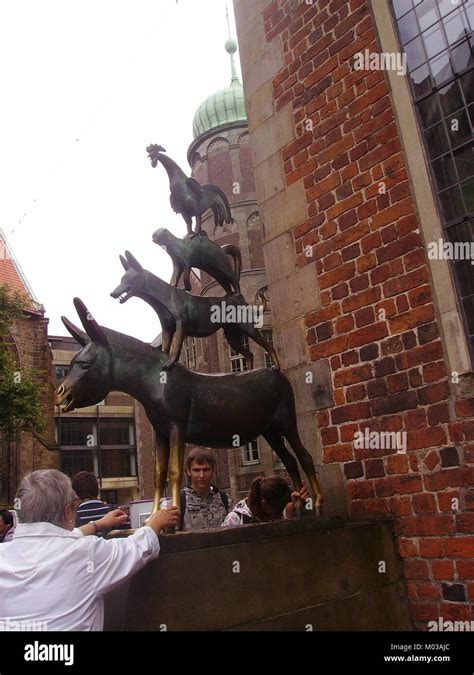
(31, 341)
(388, 371)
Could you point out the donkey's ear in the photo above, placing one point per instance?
(92, 328)
(76, 332)
(133, 261)
(125, 263)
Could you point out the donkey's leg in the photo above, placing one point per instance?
(176, 462)
(178, 345)
(306, 461)
(257, 337)
(234, 337)
(162, 455)
(277, 443)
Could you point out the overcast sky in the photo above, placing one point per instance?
(85, 87)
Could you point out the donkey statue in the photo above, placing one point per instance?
(217, 411)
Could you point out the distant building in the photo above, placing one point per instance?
(30, 350)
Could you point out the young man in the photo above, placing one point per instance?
(203, 505)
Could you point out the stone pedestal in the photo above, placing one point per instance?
(310, 574)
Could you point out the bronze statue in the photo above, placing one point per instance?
(217, 411)
(204, 254)
(182, 314)
(188, 197)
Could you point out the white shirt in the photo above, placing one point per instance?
(53, 575)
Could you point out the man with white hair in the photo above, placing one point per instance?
(53, 574)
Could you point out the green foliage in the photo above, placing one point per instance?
(20, 408)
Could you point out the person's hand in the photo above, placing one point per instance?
(112, 520)
(295, 497)
(163, 519)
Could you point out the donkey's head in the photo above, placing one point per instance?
(88, 380)
(133, 281)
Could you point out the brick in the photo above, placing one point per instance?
(394, 403)
(400, 506)
(329, 435)
(338, 453)
(342, 273)
(426, 525)
(428, 590)
(367, 297)
(374, 468)
(424, 503)
(442, 569)
(399, 247)
(408, 548)
(345, 205)
(454, 592)
(465, 569)
(460, 547)
(426, 438)
(324, 186)
(354, 411)
(353, 470)
(404, 282)
(397, 464)
(433, 393)
(448, 478)
(410, 319)
(353, 375)
(328, 348)
(465, 522)
(384, 367)
(376, 331)
(369, 352)
(386, 487)
(415, 419)
(432, 548)
(465, 407)
(415, 569)
(362, 489)
(419, 296)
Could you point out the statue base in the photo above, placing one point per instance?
(311, 574)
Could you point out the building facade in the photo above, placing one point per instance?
(360, 119)
(30, 350)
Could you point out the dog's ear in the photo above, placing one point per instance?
(124, 262)
(133, 262)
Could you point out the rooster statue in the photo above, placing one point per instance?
(190, 198)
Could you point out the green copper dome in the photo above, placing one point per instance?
(225, 106)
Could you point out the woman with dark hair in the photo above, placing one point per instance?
(268, 499)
